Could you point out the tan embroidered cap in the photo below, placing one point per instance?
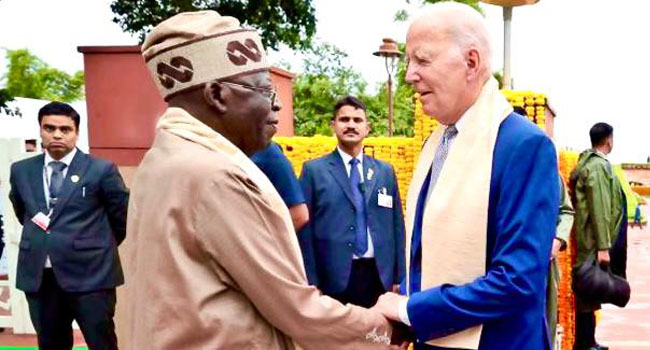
(192, 48)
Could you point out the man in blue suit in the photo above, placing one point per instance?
(353, 245)
(448, 52)
(73, 210)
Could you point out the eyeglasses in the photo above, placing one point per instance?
(271, 93)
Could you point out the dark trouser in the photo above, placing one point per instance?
(364, 285)
(52, 311)
(585, 330)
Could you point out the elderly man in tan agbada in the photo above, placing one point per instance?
(482, 206)
(216, 263)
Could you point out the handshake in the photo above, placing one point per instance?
(388, 306)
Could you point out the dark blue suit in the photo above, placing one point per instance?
(327, 241)
(510, 299)
(86, 226)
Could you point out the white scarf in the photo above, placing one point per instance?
(454, 226)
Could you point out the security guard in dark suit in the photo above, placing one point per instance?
(73, 210)
(353, 245)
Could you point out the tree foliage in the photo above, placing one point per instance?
(472, 3)
(327, 78)
(402, 15)
(4, 98)
(28, 76)
(291, 22)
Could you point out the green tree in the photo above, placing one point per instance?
(402, 15)
(327, 77)
(472, 3)
(28, 76)
(4, 98)
(281, 21)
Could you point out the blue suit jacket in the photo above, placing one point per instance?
(510, 299)
(85, 228)
(327, 241)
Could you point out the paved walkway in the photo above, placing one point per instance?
(629, 328)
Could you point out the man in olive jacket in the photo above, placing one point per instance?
(598, 204)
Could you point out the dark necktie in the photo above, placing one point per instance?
(56, 180)
(427, 186)
(361, 237)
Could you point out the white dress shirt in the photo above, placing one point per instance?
(47, 176)
(370, 253)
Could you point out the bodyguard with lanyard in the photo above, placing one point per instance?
(353, 245)
(73, 210)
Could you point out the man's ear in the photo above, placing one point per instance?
(473, 61)
(213, 93)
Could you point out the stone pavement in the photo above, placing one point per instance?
(629, 328)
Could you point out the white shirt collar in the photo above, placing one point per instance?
(600, 153)
(347, 158)
(67, 159)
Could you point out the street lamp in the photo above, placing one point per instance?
(389, 51)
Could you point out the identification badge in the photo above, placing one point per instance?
(41, 220)
(384, 200)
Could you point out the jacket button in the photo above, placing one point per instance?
(349, 244)
(351, 228)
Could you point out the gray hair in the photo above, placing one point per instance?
(462, 24)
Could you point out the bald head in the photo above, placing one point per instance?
(448, 51)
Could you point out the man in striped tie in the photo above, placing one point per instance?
(482, 206)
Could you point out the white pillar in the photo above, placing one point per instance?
(507, 28)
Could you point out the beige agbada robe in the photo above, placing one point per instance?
(216, 262)
(454, 226)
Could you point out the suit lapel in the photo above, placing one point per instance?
(36, 175)
(77, 167)
(337, 168)
(369, 177)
